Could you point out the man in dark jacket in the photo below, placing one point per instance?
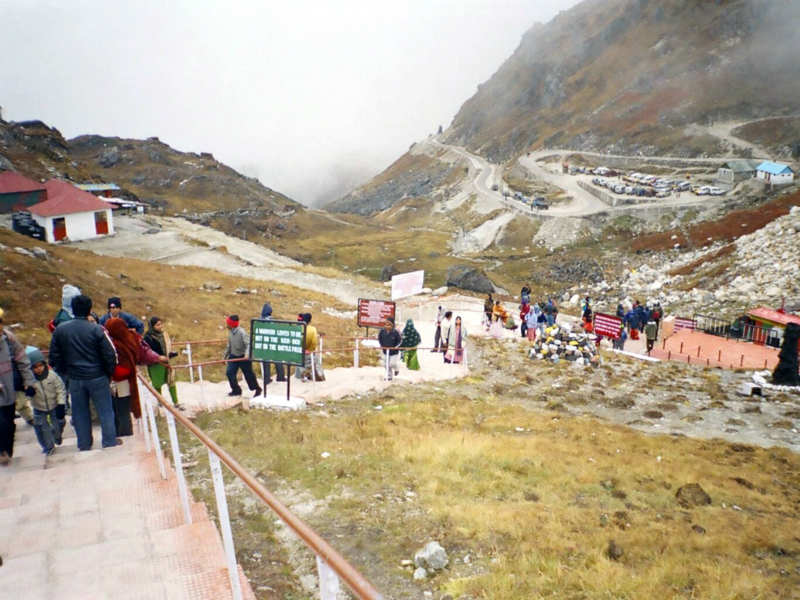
(389, 339)
(115, 310)
(11, 352)
(82, 352)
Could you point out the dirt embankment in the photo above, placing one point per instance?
(733, 225)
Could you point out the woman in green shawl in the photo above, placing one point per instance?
(158, 339)
(411, 339)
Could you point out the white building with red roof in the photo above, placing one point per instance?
(70, 214)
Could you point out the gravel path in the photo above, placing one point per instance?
(179, 242)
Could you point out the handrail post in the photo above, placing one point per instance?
(156, 442)
(328, 581)
(386, 354)
(355, 355)
(145, 429)
(225, 524)
(200, 372)
(178, 463)
(189, 355)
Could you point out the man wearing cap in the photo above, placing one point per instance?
(238, 346)
(115, 310)
(389, 339)
(310, 352)
(82, 351)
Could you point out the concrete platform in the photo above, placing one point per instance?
(102, 524)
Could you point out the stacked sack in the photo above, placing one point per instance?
(559, 343)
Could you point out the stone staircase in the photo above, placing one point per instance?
(102, 524)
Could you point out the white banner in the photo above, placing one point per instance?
(407, 284)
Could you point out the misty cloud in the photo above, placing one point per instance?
(310, 97)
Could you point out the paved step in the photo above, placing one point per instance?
(102, 524)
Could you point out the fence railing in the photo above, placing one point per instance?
(331, 566)
(738, 330)
(356, 345)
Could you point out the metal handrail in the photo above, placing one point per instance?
(357, 583)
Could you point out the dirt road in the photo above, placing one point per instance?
(178, 242)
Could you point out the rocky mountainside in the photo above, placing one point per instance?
(148, 169)
(37, 150)
(162, 175)
(631, 76)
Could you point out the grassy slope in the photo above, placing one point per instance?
(485, 466)
(31, 295)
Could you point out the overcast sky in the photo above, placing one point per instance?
(310, 97)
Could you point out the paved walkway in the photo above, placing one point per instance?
(700, 348)
(102, 524)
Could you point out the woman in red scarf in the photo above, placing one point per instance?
(125, 388)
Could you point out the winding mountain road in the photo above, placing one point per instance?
(582, 203)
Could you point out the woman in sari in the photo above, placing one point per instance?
(158, 339)
(410, 341)
(124, 385)
(455, 343)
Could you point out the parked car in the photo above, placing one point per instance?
(628, 189)
(684, 186)
(539, 203)
(715, 191)
(702, 190)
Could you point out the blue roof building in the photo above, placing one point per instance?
(774, 173)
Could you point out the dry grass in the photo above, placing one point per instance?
(31, 296)
(532, 497)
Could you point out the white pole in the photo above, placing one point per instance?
(178, 462)
(386, 354)
(355, 355)
(321, 339)
(328, 581)
(200, 372)
(146, 430)
(225, 524)
(191, 370)
(154, 430)
(313, 377)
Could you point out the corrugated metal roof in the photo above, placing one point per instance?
(741, 165)
(773, 168)
(12, 182)
(97, 187)
(773, 316)
(65, 199)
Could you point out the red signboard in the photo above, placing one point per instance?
(607, 325)
(373, 313)
(681, 323)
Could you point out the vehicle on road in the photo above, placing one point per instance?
(495, 187)
(539, 203)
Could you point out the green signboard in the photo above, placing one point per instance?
(277, 341)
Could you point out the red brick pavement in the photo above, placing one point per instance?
(704, 349)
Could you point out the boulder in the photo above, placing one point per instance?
(40, 253)
(692, 494)
(109, 157)
(211, 286)
(440, 291)
(432, 557)
(469, 278)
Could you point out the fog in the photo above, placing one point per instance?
(310, 97)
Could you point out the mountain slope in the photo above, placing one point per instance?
(160, 174)
(148, 169)
(629, 75)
